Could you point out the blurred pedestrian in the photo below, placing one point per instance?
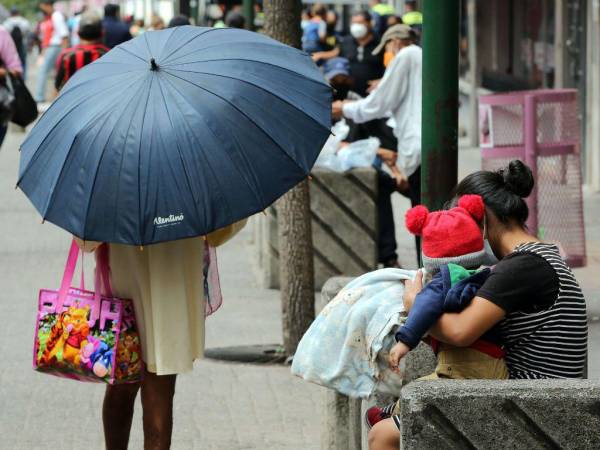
(10, 63)
(115, 30)
(89, 49)
(413, 18)
(19, 29)
(394, 20)
(315, 32)
(380, 12)
(59, 39)
(179, 21)
(137, 28)
(157, 23)
(73, 24)
(333, 37)
(234, 19)
(399, 92)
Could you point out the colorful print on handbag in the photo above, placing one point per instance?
(86, 336)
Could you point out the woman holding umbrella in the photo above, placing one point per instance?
(163, 140)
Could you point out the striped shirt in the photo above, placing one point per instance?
(72, 59)
(551, 342)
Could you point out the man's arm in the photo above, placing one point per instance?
(385, 98)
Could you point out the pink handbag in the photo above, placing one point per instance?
(84, 335)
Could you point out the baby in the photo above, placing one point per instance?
(453, 248)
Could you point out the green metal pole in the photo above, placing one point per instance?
(248, 7)
(439, 136)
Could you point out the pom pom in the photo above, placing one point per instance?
(415, 219)
(474, 206)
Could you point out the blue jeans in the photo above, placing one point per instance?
(50, 58)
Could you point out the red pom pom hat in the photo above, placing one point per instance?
(451, 236)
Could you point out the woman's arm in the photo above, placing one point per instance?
(460, 329)
(464, 328)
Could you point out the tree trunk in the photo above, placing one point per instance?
(282, 22)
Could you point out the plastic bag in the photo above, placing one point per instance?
(340, 158)
(358, 154)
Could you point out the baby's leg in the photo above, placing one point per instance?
(385, 435)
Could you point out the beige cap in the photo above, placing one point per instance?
(399, 31)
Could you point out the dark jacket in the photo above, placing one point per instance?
(450, 290)
(115, 32)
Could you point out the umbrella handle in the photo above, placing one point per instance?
(153, 65)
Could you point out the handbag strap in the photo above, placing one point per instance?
(68, 274)
(103, 270)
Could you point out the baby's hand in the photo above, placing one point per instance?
(397, 352)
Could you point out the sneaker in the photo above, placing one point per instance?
(376, 414)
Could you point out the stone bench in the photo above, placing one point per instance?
(469, 414)
(501, 414)
(345, 227)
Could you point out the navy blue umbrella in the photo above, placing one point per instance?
(175, 134)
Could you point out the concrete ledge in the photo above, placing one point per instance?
(501, 414)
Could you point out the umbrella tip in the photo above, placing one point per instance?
(153, 65)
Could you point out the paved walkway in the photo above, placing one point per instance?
(219, 405)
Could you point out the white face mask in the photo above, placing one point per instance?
(358, 30)
(490, 258)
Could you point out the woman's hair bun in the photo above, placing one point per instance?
(518, 178)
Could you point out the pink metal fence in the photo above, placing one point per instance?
(542, 129)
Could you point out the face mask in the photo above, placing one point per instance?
(358, 30)
(304, 24)
(387, 58)
(490, 258)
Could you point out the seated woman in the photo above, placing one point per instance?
(531, 293)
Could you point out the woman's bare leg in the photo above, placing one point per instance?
(384, 436)
(117, 414)
(157, 404)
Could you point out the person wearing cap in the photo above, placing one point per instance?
(398, 93)
(89, 49)
(58, 41)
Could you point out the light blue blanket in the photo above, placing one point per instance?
(347, 345)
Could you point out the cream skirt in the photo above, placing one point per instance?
(166, 283)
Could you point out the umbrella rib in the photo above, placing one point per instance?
(258, 87)
(247, 117)
(96, 173)
(323, 83)
(131, 53)
(187, 177)
(192, 39)
(257, 193)
(174, 30)
(268, 44)
(37, 153)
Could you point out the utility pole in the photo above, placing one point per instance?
(282, 22)
(248, 8)
(439, 141)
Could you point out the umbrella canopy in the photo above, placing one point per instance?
(175, 134)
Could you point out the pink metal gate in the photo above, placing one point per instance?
(541, 128)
